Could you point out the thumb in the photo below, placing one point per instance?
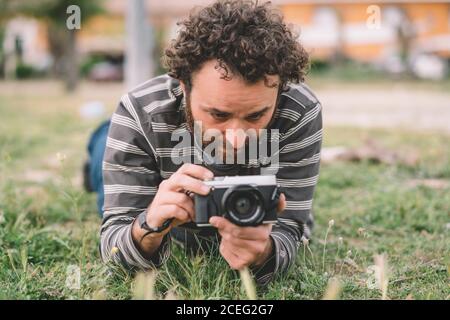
(218, 222)
(281, 203)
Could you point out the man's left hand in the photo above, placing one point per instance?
(245, 246)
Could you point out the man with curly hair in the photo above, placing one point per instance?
(234, 65)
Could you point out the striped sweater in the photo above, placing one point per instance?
(138, 157)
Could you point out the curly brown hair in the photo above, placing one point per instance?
(246, 38)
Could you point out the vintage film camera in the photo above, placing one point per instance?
(244, 200)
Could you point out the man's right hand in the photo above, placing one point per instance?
(171, 201)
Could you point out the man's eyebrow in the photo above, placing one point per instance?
(215, 110)
(263, 110)
(212, 109)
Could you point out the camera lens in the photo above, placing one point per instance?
(242, 205)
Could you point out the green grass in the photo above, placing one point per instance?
(360, 75)
(48, 224)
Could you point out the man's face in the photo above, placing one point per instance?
(230, 106)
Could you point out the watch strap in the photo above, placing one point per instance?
(142, 220)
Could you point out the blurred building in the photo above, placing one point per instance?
(351, 27)
(386, 33)
(327, 27)
(393, 35)
(25, 42)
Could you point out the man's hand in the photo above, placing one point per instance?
(245, 246)
(171, 201)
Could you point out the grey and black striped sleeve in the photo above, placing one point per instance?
(131, 179)
(297, 175)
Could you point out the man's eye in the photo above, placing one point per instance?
(219, 116)
(255, 117)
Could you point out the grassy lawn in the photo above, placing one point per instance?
(48, 225)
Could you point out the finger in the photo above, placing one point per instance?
(221, 224)
(281, 203)
(224, 226)
(196, 171)
(251, 233)
(234, 261)
(170, 211)
(246, 255)
(175, 211)
(179, 199)
(179, 181)
(244, 247)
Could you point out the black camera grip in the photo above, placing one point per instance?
(275, 199)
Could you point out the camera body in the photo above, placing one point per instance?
(244, 200)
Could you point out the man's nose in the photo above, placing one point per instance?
(236, 136)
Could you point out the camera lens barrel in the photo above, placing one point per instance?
(243, 205)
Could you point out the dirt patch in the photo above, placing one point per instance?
(38, 176)
(429, 183)
(371, 151)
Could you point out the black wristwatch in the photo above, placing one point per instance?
(142, 220)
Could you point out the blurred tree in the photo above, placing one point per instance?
(61, 38)
(3, 15)
(139, 44)
(2, 54)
